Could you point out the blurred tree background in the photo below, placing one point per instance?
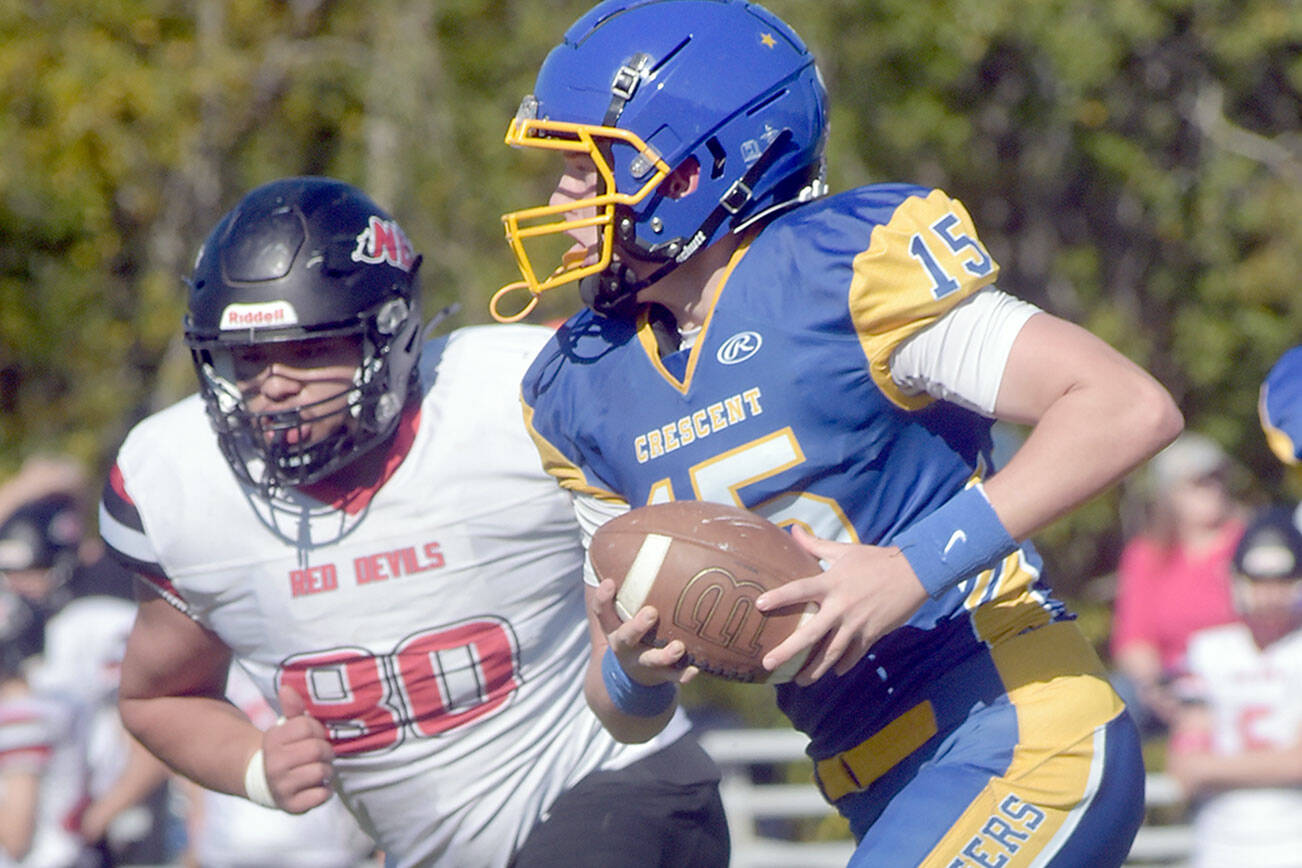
(1134, 165)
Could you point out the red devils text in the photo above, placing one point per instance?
(379, 567)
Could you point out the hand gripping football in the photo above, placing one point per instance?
(702, 565)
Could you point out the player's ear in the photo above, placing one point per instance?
(683, 180)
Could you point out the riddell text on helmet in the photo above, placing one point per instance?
(262, 315)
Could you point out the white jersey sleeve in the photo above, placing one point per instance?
(960, 357)
(46, 735)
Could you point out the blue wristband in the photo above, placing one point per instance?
(630, 697)
(960, 539)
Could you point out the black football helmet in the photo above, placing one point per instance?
(44, 535)
(22, 634)
(301, 258)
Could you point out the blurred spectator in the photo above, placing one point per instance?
(1236, 745)
(38, 551)
(41, 544)
(48, 486)
(1173, 577)
(42, 756)
(129, 815)
(39, 476)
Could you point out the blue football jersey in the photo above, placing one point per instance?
(784, 404)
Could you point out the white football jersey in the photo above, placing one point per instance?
(46, 735)
(84, 645)
(439, 630)
(1255, 699)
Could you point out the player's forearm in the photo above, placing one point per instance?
(204, 738)
(19, 793)
(626, 728)
(1085, 442)
(143, 774)
(1096, 416)
(15, 837)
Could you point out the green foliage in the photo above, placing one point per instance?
(1134, 166)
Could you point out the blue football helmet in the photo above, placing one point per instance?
(303, 258)
(643, 86)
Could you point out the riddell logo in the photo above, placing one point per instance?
(383, 241)
(269, 314)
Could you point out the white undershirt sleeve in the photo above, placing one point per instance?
(961, 356)
(592, 513)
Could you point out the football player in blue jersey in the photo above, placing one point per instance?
(834, 363)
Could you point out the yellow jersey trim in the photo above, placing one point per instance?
(647, 337)
(561, 468)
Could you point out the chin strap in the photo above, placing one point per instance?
(613, 292)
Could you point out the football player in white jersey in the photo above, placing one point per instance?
(43, 771)
(1237, 749)
(130, 815)
(369, 535)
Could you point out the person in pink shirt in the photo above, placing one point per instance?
(1174, 575)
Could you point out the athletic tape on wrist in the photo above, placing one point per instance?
(256, 788)
(630, 697)
(962, 538)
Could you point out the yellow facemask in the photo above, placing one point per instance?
(548, 221)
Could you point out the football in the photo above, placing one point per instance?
(702, 565)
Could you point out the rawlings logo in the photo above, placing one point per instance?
(383, 241)
(739, 348)
(268, 314)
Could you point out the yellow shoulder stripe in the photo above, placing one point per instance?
(561, 468)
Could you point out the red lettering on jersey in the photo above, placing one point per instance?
(313, 580)
(369, 569)
(397, 563)
(401, 561)
(434, 681)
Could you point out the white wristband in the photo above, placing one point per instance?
(256, 788)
